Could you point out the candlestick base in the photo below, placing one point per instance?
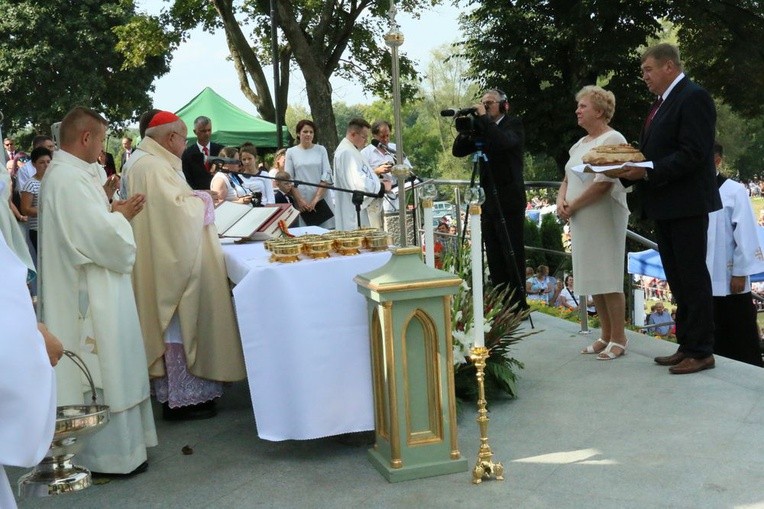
(485, 467)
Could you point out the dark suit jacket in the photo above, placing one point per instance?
(194, 169)
(680, 142)
(504, 172)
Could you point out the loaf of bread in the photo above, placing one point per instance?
(611, 155)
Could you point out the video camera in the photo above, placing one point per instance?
(465, 120)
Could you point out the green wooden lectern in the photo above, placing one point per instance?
(409, 307)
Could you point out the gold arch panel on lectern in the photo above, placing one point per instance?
(421, 380)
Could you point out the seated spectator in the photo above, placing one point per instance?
(106, 160)
(253, 183)
(284, 186)
(537, 287)
(30, 194)
(568, 299)
(226, 184)
(660, 316)
(279, 159)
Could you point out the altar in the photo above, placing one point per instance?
(305, 338)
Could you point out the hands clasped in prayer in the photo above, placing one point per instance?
(130, 207)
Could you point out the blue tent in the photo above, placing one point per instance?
(648, 262)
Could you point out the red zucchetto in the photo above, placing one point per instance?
(162, 118)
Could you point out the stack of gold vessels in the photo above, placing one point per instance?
(345, 243)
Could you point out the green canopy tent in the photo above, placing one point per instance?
(231, 126)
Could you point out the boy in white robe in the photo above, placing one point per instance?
(86, 259)
(27, 381)
(734, 254)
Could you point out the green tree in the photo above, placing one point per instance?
(532, 238)
(543, 52)
(324, 39)
(57, 54)
(721, 44)
(550, 232)
(551, 51)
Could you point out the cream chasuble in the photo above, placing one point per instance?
(179, 268)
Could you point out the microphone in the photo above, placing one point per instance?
(378, 143)
(221, 160)
(453, 112)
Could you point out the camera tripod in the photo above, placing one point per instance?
(480, 169)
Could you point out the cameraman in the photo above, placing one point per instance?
(501, 177)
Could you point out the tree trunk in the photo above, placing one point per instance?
(246, 62)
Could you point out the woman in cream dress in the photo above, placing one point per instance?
(596, 208)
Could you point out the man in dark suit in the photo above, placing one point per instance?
(194, 168)
(678, 192)
(502, 179)
(127, 151)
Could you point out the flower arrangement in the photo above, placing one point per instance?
(500, 333)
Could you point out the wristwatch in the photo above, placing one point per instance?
(646, 177)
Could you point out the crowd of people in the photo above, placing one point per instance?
(131, 274)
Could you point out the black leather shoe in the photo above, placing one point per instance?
(198, 412)
(671, 360)
(138, 470)
(691, 365)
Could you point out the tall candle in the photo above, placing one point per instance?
(476, 251)
(429, 233)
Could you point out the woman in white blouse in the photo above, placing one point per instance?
(242, 188)
(309, 162)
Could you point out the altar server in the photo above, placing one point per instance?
(181, 286)
(87, 253)
(733, 255)
(27, 381)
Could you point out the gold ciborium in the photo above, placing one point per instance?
(349, 244)
(317, 247)
(56, 473)
(286, 250)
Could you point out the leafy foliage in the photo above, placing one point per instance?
(57, 54)
(550, 231)
(324, 39)
(500, 333)
(554, 48)
(551, 51)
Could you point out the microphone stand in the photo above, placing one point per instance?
(357, 196)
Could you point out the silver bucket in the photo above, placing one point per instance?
(56, 473)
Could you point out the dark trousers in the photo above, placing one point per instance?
(33, 238)
(737, 333)
(500, 253)
(682, 246)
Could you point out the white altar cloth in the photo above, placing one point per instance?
(305, 335)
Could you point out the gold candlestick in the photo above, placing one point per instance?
(485, 468)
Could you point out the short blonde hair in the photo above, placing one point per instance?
(602, 99)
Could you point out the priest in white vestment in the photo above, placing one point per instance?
(27, 381)
(180, 280)
(352, 172)
(380, 155)
(733, 255)
(87, 253)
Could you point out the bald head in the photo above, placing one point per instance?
(171, 136)
(82, 133)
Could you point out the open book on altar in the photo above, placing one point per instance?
(238, 220)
